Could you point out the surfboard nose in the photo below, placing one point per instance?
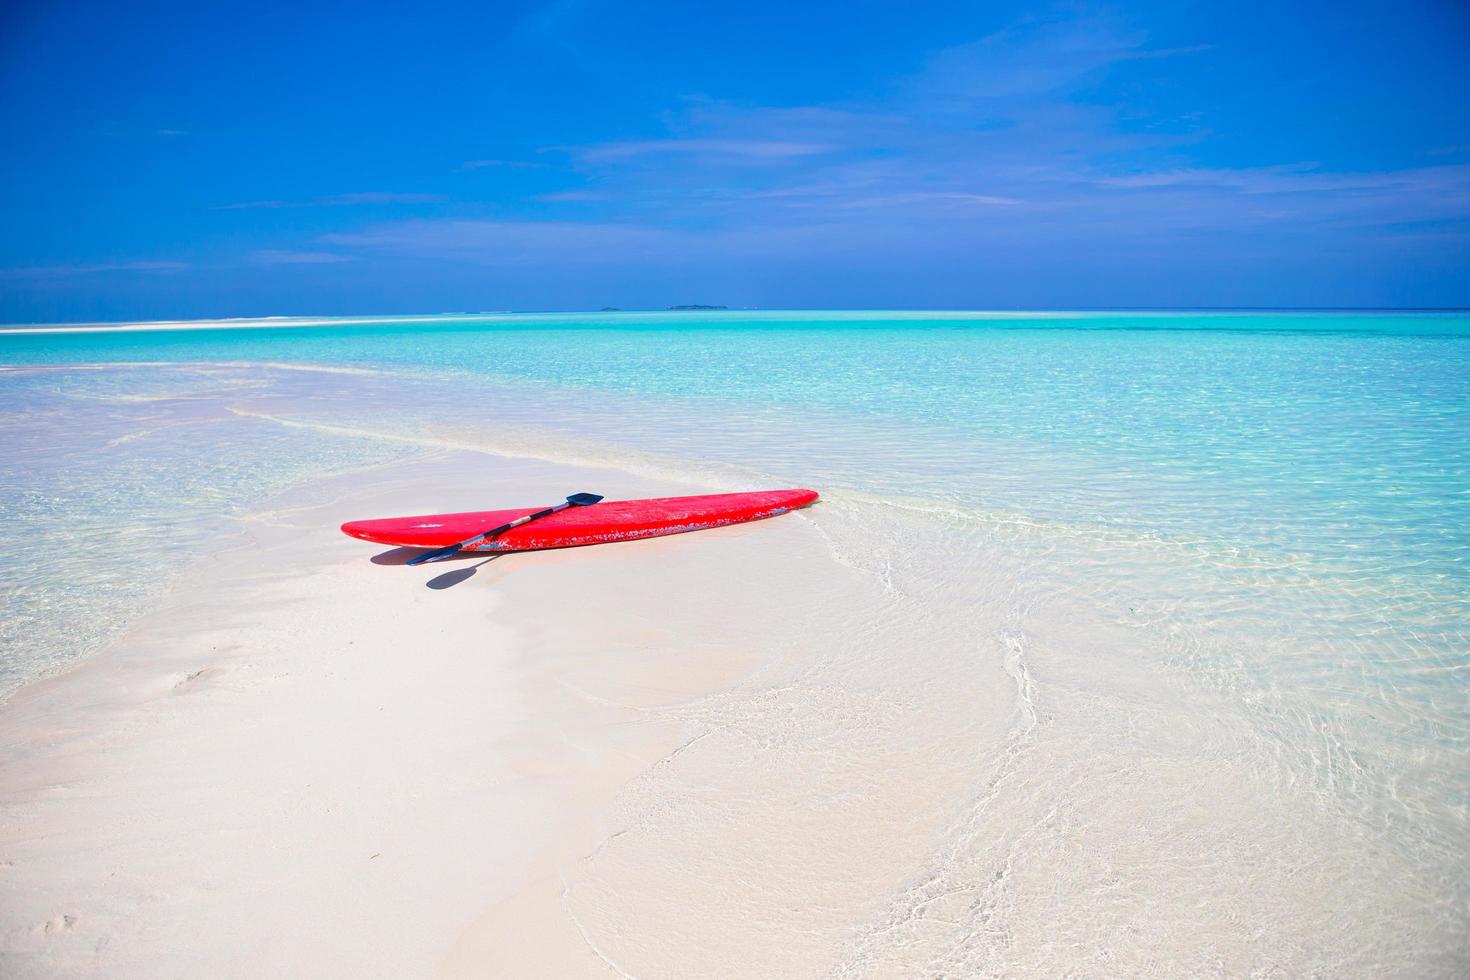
(375, 530)
(357, 529)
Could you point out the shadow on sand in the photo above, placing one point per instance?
(401, 556)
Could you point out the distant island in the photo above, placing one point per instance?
(697, 306)
(610, 309)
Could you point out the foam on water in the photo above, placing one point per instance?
(1171, 617)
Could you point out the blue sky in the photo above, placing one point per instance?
(175, 160)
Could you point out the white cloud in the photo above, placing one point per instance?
(64, 271)
(745, 150)
(512, 164)
(337, 200)
(929, 197)
(575, 196)
(272, 256)
(510, 242)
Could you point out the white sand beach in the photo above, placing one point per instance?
(303, 763)
(762, 750)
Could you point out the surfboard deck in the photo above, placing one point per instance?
(601, 523)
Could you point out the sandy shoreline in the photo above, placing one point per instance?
(301, 762)
(847, 742)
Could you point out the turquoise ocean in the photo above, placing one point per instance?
(1266, 514)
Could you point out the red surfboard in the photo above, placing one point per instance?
(617, 520)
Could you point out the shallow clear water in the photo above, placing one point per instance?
(1265, 515)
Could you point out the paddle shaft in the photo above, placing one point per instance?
(576, 500)
(496, 531)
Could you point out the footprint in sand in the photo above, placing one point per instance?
(59, 923)
(204, 673)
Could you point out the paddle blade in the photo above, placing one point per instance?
(434, 555)
(583, 499)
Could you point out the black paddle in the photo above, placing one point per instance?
(575, 500)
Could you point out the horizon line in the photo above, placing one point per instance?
(265, 321)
